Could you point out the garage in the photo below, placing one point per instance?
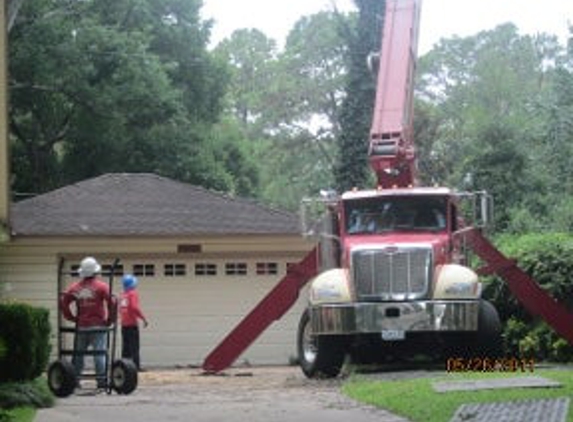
(203, 259)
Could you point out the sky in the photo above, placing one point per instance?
(439, 18)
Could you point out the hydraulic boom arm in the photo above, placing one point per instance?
(391, 153)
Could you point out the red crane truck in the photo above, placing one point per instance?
(390, 273)
(393, 278)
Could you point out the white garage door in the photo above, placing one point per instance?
(193, 304)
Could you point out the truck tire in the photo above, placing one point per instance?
(486, 342)
(62, 379)
(489, 341)
(318, 356)
(124, 376)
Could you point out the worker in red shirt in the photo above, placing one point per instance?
(92, 314)
(130, 314)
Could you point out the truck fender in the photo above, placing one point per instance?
(330, 287)
(454, 281)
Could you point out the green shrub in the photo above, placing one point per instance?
(3, 348)
(25, 332)
(514, 331)
(41, 317)
(26, 394)
(548, 259)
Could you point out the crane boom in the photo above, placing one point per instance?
(391, 152)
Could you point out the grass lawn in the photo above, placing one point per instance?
(416, 400)
(22, 398)
(19, 414)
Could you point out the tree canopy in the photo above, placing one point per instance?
(287, 103)
(101, 85)
(493, 102)
(132, 85)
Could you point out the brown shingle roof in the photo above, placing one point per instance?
(143, 204)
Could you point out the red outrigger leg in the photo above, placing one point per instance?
(277, 302)
(535, 300)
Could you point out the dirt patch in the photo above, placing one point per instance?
(260, 377)
(273, 377)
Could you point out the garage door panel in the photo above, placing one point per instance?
(190, 315)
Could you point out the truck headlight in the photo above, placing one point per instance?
(330, 287)
(455, 281)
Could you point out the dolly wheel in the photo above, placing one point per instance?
(62, 378)
(124, 376)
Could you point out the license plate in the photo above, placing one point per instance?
(393, 335)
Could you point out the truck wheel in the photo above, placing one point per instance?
(485, 342)
(488, 340)
(62, 378)
(124, 376)
(319, 356)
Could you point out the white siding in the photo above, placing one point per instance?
(189, 315)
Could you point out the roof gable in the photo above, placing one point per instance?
(143, 204)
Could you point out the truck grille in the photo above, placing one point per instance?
(392, 273)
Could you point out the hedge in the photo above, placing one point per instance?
(548, 259)
(25, 334)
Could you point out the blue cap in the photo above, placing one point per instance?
(129, 282)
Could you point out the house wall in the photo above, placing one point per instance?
(189, 313)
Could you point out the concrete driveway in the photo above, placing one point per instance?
(264, 394)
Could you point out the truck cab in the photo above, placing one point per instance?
(394, 280)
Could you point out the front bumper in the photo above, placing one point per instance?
(356, 318)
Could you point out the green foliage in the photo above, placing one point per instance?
(548, 259)
(25, 330)
(3, 348)
(515, 330)
(109, 86)
(498, 105)
(288, 177)
(356, 112)
(314, 63)
(129, 86)
(250, 55)
(426, 128)
(19, 414)
(500, 167)
(231, 149)
(33, 393)
(285, 104)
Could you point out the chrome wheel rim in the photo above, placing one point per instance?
(309, 348)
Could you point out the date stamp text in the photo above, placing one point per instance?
(485, 364)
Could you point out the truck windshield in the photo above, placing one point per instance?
(384, 214)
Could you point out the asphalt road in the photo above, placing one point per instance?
(265, 394)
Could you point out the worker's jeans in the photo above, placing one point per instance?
(130, 344)
(96, 340)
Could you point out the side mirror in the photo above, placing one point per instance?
(476, 208)
(314, 212)
(483, 209)
(487, 209)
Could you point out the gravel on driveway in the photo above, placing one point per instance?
(257, 394)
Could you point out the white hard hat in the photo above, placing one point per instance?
(89, 267)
